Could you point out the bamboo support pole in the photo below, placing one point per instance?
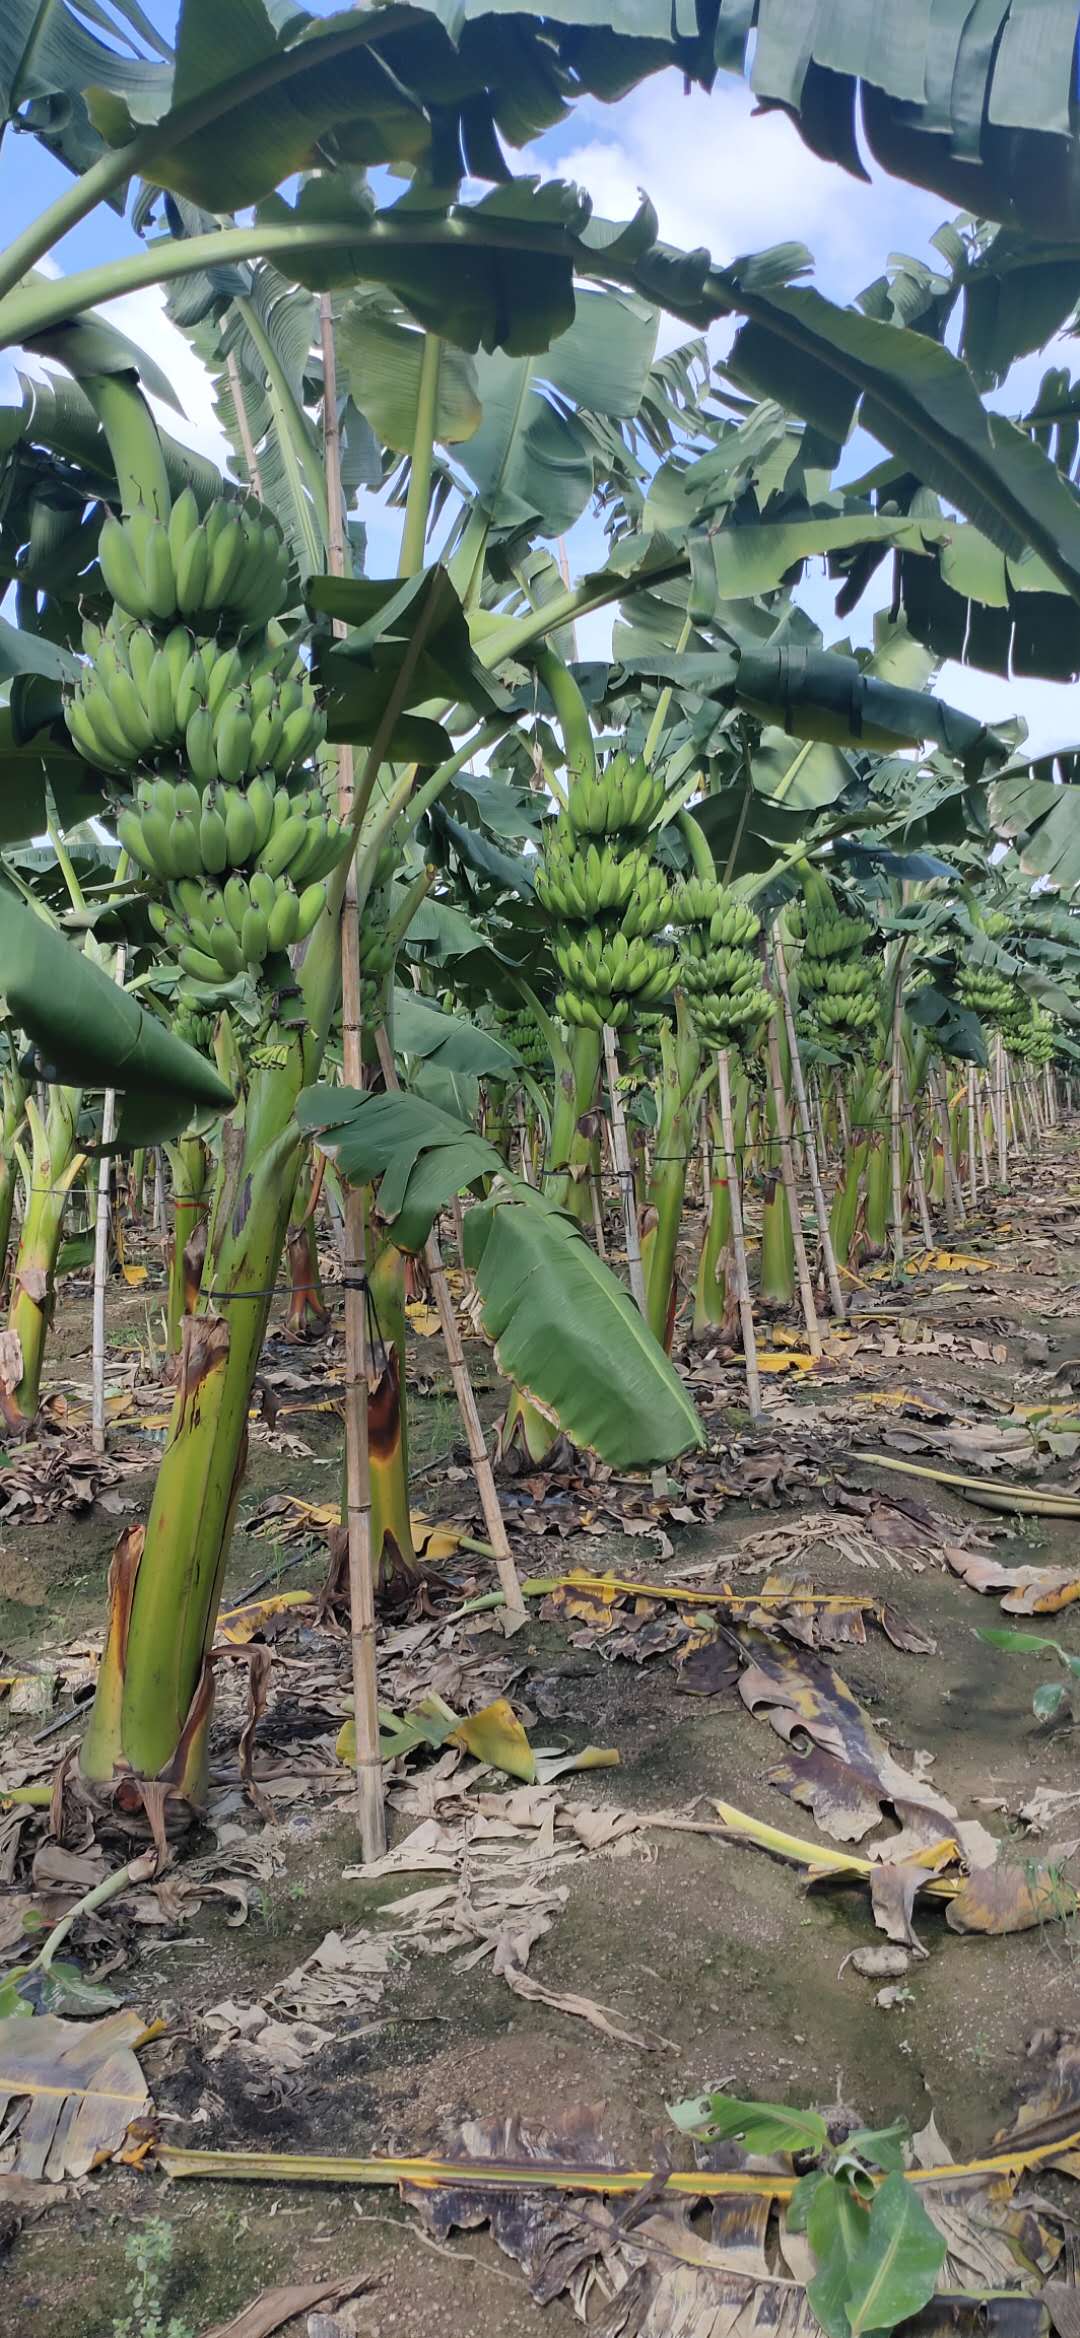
(917, 1178)
(738, 1238)
(624, 1171)
(597, 1213)
(706, 1171)
(895, 1118)
(984, 1107)
(101, 1251)
(809, 1144)
(522, 1122)
(159, 1193)
(973, 1172)
(819, 1125)
(1002, 1130)
(787, 1173)
(466, 1399)
(369, 1769)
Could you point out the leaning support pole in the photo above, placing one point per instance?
(917, 1178)
(973, 1171)
(895, 1120)
(821, 1209)
(625, 1173)
(101, 1251)
(738, 1238)
(369, 1771)
(515, 1611)
(787, 1172)
(954, 1200)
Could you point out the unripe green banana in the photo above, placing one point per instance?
(199, 964)
(192, 569)
(254, 936)
(213, 841)
(283, 846)
(120, 569)
(239, 821)
(309, 909)
(199, 745)
(283, 920)
(129, 832)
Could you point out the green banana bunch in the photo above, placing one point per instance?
(622, 800)
(612, 966)
(733, 1018)
(840, 1015)
(592, 1013)
(833, 937)
(230, 567)
(988, 994)
(235, 925)
(228, 713)
(522, 1032)
(718, 972)
(175, 829)
(586, 883)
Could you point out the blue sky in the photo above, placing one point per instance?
(719, 175)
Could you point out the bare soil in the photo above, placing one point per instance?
(713, 1945)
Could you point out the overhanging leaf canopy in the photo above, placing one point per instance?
(564, 1329)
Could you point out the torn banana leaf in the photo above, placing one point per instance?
(1027, 1590)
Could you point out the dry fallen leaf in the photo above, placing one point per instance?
(70, 2091)
(274, 2307)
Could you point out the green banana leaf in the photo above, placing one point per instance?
(451, 1041)
(1042, 817)
(91, 1033)
(564, 1328)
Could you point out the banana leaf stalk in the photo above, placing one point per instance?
(53, 1166)
(393, 1557)
(570, 1144)
(847, 1221)
(680, 1092)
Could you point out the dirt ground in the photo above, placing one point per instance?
(706, 1944)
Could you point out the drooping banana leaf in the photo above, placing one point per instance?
(564, 1328)
(91, 1033)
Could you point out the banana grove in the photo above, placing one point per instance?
(732, 835)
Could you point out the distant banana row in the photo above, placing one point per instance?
(609, 899)
(719, 972)
(229, 568)
(228, 713)
(1029, 1033)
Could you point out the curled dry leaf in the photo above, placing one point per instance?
(1012, 1896)
(1026, 1590)
(842, 1769)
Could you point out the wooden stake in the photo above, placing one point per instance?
(809, 1145)
(738, 1240)
(984, 1163)
(624, 1171)
(515, 1610)
(101, 1253)
(597, 1212)
(369, 1769)
(159, 1192)
(787, 1173)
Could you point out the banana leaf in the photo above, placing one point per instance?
(564, 1329)
(89, 1032)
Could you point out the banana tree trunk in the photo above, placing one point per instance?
(716, 1298)
(680, 1059)
(151, 1712)
(309, 1315)
(570, 1147)
(777, 1243)
(186, 1248)
(13, 1094)
(55, 1163)
(392, 1555)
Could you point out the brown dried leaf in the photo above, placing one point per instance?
(807, 1703)
(70, 2091)
(893, 1890)
(274, 2307)
(1010, 1897)
(1028, 1590)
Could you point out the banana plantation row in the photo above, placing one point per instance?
(370, 895)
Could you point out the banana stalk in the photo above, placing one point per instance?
(53, 1167)
(570, 1147)
(392, 1553)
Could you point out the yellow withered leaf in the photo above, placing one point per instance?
(786, 1360)
(495, 1735)
(135, 1276)
(423, 1319)
(430, 1540)
(238, 1625)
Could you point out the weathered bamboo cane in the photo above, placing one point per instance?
(821, 1210)
(738, 1238)
(624, 1172)
(787, 1172)
(369, 1768)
